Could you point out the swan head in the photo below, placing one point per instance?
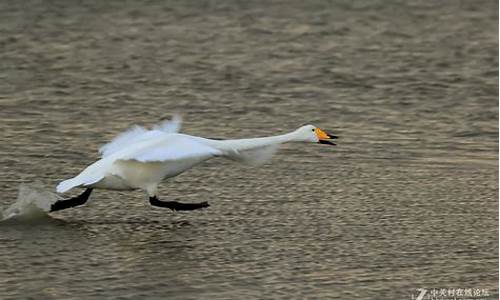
(313, 134)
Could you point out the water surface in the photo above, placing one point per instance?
(407, 200)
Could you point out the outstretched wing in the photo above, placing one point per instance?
(171, 148)
(138, 134)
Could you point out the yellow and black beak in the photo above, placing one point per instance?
(324, 137)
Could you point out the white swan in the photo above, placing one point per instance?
(141, 159)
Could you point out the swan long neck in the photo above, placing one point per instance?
(252, 143)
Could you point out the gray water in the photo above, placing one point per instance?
(407, 200)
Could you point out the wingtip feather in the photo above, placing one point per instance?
(65, 186)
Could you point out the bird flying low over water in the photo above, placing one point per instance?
(141, 159)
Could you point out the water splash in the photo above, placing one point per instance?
(33, 203)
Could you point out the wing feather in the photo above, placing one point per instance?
(254, 157)
(171, 148)
(138, 134)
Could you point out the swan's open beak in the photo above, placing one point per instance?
(325, 138)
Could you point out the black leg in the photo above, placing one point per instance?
(71, 202)
(174, 205)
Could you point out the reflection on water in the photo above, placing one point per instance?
(407, 200)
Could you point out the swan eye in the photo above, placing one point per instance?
(312, 130)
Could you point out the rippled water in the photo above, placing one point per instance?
(407, 200)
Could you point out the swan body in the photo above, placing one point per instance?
(142, 159)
